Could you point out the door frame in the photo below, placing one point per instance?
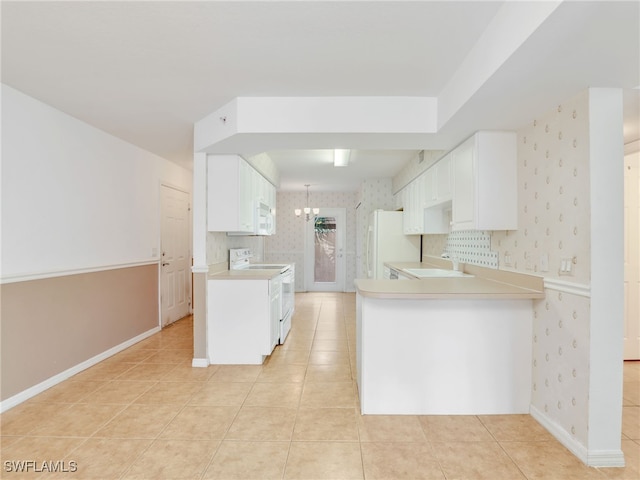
(158, 256)
(309, 251)
(631, 348)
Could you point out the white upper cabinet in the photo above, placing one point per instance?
(427, 179)
(485, 182)
(426, 200)
(473, 187)
(442, 180)
(234, 190)
(412, 207)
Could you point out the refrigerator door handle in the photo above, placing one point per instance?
(369, 253)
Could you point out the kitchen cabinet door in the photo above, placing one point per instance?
(442, 180)
(275, 314)
(272, 200)
(412, 206)
(427, 183)
(464, 203)
(230, 195)
(247, 197)
(406, 209)
(239, 331)
(485, 193)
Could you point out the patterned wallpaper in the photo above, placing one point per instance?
(553, 221)
(553, 176)
(553, 172)
(217, 248)
(415, 167)
(218, 245)
(287, 245)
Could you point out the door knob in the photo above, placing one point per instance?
(165, 264)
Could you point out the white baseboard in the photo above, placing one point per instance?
(592, 458)
(200, 362)
(70, 372)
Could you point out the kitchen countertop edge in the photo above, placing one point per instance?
(255, 274)
(485, 284)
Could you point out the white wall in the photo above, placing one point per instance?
(73, 196)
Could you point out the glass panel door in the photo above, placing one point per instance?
(324, 253)
(324, 249)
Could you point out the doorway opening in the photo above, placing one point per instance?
(324, 251)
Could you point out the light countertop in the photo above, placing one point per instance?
(485, 283)
(253, 274)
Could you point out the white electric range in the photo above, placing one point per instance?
(240, 259)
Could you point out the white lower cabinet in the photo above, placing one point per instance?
(275, 311)
(243, 320)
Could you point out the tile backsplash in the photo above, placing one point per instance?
(472, 247)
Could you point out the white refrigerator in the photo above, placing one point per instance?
(386, 243)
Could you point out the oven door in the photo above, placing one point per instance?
(288, 301)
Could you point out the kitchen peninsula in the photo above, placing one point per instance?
(437, 346)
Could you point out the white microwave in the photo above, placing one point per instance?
(264, 220)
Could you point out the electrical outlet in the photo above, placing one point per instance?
(507, 260)
(544, 262)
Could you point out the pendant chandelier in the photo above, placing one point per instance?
(307, 210)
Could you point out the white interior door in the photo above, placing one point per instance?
(175, 277)
(632, 257)
(324, 251)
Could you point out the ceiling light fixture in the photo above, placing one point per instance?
(341, 157)
(307, 210)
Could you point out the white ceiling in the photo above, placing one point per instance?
(147, 71)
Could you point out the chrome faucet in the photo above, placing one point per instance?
(455, 261)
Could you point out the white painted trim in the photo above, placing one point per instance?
(62, 376)
(63, 273)
(568, 287)
(605, 458)
(200, 362)
(200, 269)
(592, 458)
(564, 437)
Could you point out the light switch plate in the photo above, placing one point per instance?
(544, 262)
(566, 266)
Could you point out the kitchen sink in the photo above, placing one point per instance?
(435, 273)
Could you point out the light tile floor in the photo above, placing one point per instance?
(145, 413)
